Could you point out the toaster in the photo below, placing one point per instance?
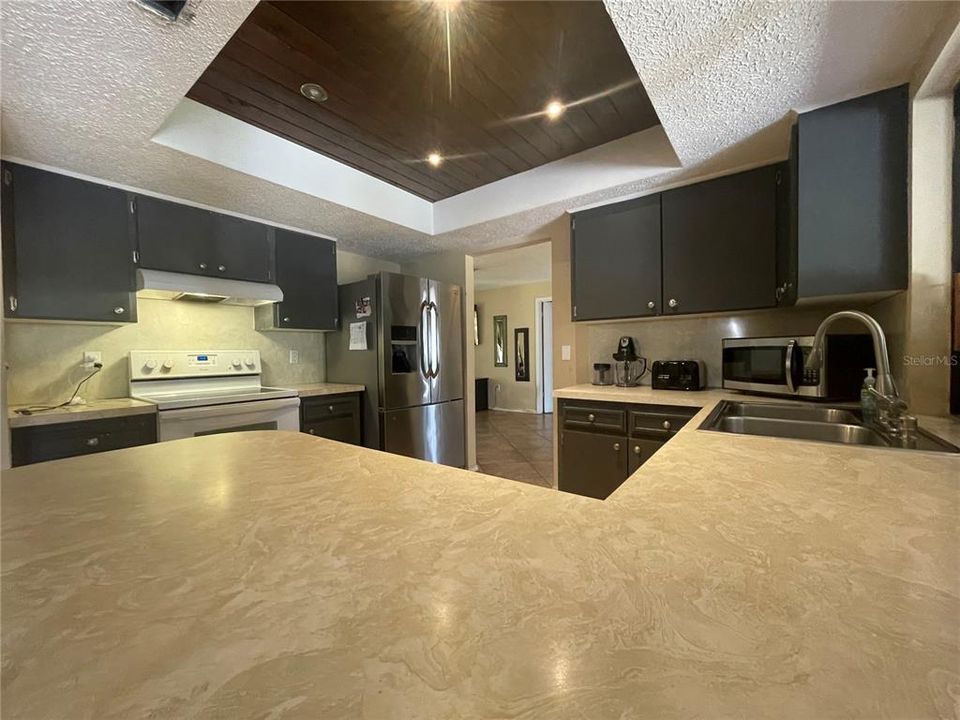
(678, 375)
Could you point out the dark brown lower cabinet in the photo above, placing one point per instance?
(81, 437)
(602, 444)
(592, 464)
(640, 451)
(335, 417)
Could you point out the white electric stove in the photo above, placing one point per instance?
(208, 392)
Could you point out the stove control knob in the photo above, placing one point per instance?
(248, 361)
(167, 365)
(150, 365)
(236, 364)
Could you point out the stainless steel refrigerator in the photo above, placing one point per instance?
(402, 337)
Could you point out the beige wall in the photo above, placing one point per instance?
(457, 268)
(566, 333)
(518, 303)
(4, 424)
(352, 267)
(917, 322)
(695, 337)
(927, 317)
(699, 337)
(44, 358)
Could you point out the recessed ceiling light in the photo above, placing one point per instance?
(312, 91)
(554, 109)
(435, 159)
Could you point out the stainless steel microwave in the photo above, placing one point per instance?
(775, 366)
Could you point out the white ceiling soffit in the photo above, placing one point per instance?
(87, 84)
(516, 266)
(215, 136)
(198, 130)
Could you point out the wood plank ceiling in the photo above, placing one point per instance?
(394, 97)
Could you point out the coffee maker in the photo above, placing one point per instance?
(629, 367)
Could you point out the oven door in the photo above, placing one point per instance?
(279, 414)
(765, 365)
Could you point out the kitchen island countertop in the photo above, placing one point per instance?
(277, 574)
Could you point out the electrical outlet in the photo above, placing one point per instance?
(294, 357)
(564, 352)
(90, 358)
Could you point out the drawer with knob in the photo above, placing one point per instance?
(661, 421)
(598, 417)
(335, 417)
(37, 443)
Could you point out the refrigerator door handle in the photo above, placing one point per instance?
(424, 339)
(435, 333)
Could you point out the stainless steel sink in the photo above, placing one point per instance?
(809, 422)
(808, 413)
(802, 430)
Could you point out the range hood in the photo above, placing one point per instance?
(162, 285)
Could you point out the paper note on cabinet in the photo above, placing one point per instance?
(358, 336)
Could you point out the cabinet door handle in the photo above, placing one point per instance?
(118, 310)
(591, 417)
(666, 424)
(203, 266)
(616, 446)
(286, 319)
(330, 408)
(221, 268)
(312, 431)
(93, 442)
(636, 449)
(651, 304)
(673, 302)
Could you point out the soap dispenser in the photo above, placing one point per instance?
(868, 403)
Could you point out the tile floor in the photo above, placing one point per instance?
(518, 446)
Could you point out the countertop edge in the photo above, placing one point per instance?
(96, 410)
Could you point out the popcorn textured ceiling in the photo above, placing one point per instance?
(86, 84)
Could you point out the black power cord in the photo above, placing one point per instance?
(97, 367)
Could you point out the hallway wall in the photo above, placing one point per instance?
(517, 302)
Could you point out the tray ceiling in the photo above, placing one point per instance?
(395, 97)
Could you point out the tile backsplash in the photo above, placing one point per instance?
(699, 337)
(44, 358)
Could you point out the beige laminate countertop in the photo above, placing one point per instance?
(91, 410)
(947, 428)
(118, 407)
(314, 389)
(280, 575)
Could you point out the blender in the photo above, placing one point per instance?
(629, 367)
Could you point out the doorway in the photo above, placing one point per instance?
(544, 322)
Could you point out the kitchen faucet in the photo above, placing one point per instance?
(891, 409)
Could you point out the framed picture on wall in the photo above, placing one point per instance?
(500, 341)
(521, 344)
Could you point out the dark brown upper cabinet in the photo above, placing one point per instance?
(615, 260)
(307, 274)
(720, 244)
(848, 176)
(67, 249)
(186, 239)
